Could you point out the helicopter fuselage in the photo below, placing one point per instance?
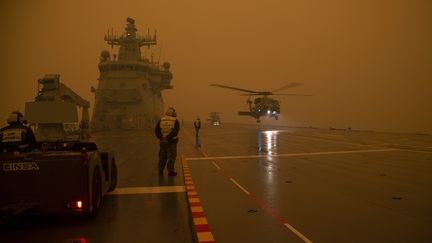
(262, 106)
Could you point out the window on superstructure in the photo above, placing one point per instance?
(49, 85)
(141, 68)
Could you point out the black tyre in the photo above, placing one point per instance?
(113, 178)
(96, 192)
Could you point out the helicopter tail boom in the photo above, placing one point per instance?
(245, 113)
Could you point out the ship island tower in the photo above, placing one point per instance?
(128, 95)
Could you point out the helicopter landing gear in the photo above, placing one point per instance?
(276, 117)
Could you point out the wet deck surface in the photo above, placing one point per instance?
(259, 184)
(311, 185)
(145, 207)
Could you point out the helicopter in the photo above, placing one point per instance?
(263, 105)
(214, 118)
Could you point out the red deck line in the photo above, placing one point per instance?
(202, 228)
(194, 204)
(198, 215)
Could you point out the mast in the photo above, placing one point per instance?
(129, 95)
(130, 43)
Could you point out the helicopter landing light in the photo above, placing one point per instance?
(268, 111)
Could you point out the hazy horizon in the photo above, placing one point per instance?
(367, 64)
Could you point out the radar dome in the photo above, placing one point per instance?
(105, 55)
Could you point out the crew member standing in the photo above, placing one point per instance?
(16, 136)
(197, 125)
(166, 131)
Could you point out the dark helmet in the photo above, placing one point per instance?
(171, 112)
(15, 117)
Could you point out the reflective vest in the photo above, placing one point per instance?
(197, 124)
(166, 125)
(15, 137)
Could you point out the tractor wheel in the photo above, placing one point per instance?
(96, 193)
(113, 178)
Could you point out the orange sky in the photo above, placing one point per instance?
(368, 63)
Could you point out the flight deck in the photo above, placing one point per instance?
(256, 183)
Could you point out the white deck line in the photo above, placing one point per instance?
(239, 186)
(300, 235)
(296, 232)
(293, 154)
(147, 190)
(216, 165)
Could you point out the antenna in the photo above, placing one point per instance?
(160, 54)
(148, 37)
(112, 34)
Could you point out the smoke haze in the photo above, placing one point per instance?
(368, 64)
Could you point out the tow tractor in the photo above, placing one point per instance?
(62, 174)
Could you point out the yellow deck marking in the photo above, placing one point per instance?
(146, 190)
(198, 221)
(205, 236)
(196, 209)
(194, 200)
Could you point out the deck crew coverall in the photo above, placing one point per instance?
(166, 131)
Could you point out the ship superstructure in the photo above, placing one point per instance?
(128, 95)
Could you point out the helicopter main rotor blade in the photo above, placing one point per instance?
(228, 87)
(294, 94)
(251, 94)
(290, 85)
